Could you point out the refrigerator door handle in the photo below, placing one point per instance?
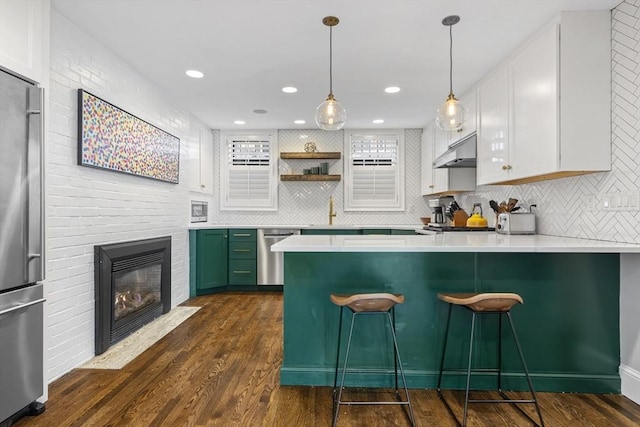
(18, 307)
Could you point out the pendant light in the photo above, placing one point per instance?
(452, 113)
(330, 115)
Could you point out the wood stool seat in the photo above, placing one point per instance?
(367, 302)
(481, 302)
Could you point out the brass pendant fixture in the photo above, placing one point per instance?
(330, 115)
(452, 113)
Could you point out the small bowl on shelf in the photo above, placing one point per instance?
(426, 220)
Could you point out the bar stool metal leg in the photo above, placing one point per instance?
(344, 371)
(466, 390)
(399, 362)
(524, 366)
(335, 376)
(444, 348)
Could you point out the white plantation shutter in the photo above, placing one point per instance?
(374, 178)
(249, 180)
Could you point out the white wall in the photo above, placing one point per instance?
(304, 203)
(87, 207)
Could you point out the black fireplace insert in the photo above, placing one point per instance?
(133, 287)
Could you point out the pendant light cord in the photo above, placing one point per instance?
(450, 60)
(331, 60)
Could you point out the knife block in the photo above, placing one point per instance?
(460, 218)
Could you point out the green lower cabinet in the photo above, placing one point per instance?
(329, 231)
(211, 261)
(243, 254)
(243, 272)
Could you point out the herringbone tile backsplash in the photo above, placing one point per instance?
(572, 207)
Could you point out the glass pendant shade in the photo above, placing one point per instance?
(330, 115)
(451, 114)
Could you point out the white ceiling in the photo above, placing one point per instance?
(250, 49)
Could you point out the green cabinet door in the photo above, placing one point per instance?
(211, 260)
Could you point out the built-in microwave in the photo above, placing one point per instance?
(199, 211)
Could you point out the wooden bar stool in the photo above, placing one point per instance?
(368, 304)
(486, 303)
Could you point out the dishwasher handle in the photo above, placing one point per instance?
(276, 236)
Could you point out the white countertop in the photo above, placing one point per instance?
(204, 225)
(450, 242)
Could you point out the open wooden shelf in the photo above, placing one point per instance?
(310, 177)
(304, 155)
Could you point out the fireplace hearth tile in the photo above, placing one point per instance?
(123, 352)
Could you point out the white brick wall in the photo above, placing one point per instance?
(85, 206)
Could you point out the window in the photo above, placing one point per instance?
(374, 171)
(248, 171)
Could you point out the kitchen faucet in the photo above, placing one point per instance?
(332, 214)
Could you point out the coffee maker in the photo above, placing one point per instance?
(438, 208)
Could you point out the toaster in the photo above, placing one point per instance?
(516, 223)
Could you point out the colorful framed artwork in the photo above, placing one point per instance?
(111, 138)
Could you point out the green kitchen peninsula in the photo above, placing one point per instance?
(568, 325)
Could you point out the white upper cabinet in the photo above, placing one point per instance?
(493, 127)
(23, 37)
(546, 112)
(201, 163)
(469, 100)
(439, 181)
(426, 159)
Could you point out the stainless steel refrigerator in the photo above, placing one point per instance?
(21, 290)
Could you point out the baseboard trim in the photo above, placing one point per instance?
(630, 383)
(552, 382)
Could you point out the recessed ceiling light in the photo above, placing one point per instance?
(195, 74)
(260, 111)
(289, 89)
(392, 89)
(378, 121)
(299, 122)
(239, 122)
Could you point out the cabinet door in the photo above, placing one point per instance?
(441, 144)
(21, 37)
(201, 164)
(469, 100)
(426, 159)
(534, 72)
(211, 260)
(493, 128)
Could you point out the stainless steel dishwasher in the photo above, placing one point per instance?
(271, 264)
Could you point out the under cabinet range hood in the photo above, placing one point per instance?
(461, 154)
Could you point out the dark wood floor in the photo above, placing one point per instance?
(220, 368)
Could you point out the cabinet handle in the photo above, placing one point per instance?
(242, 250)
(241, 272)
(506, 167)
(225, 236)
(509, 167)
(201, 185)
(431, 186)
(242, 235)
(460, 130)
